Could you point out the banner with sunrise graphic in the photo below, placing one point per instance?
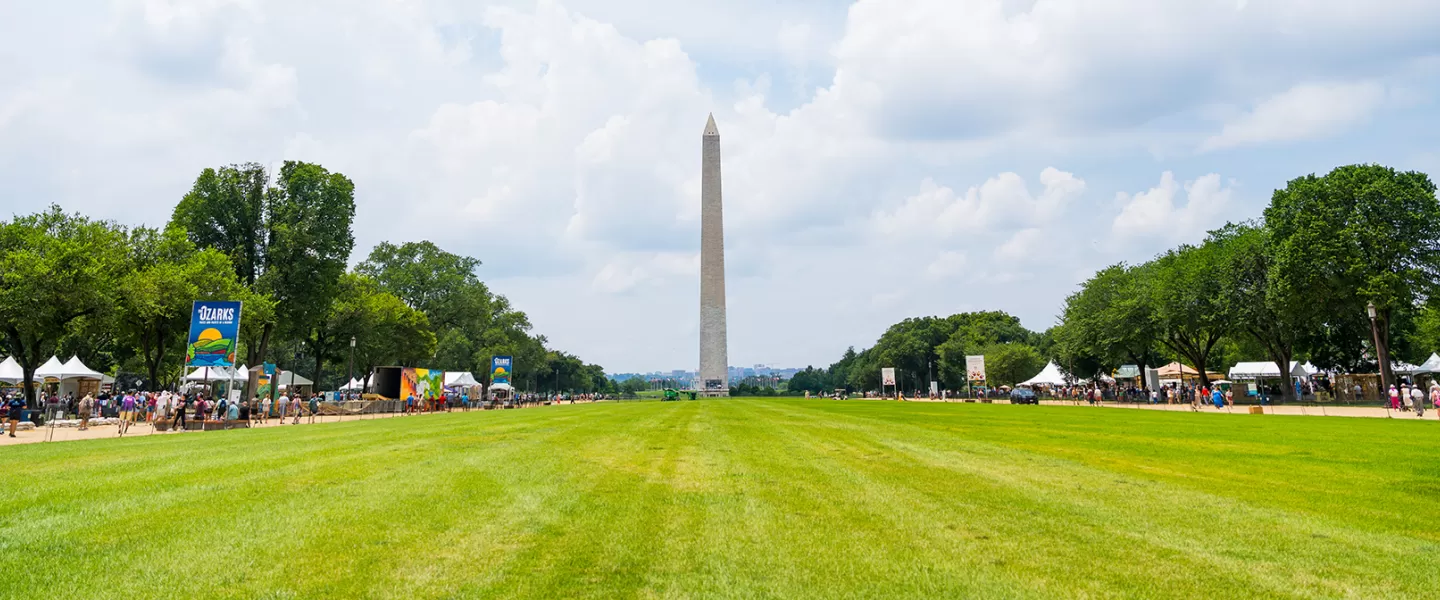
(214, 331)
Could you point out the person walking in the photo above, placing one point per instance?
(282, 405)
(1435, 395)
(1394, 398)
(314, 406)
(127, 412)
(265, 410)
(1417, 401)
(180, 405)
(87, 404)
(295, 408)
(16, 406)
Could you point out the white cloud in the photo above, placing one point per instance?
(946, 265)
(1159, 212)
(1002, 201)
(1302, 112)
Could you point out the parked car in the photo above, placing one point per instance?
(1023, 395)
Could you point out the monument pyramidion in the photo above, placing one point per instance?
(714, 371)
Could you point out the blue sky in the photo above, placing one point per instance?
(882, 159)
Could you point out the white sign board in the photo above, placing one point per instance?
(975, 368)
(887, 376)
(934, 388)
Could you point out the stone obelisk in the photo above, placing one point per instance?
(714, 368)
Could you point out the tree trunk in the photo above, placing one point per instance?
(1382, 351)
(1282, 360)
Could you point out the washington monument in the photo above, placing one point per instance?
(714, 371)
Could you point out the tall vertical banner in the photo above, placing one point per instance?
(214, 334)
(500, 369)
(887, 376)
(975, 368)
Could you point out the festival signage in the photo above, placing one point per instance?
(887, 376)
(500, 369)
(214, 332)
(975, 368)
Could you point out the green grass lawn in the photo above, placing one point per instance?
(737, 498)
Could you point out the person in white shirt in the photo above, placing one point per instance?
(1417, 399)
(281, 405)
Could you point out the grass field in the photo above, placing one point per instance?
(736, 498)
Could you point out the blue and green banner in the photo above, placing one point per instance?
(214, 334)
(500, 369)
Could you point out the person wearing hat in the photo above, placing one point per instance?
(87, 404)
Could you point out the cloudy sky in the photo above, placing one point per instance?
(882, 159)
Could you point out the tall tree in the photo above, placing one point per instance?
(1360, 234)
(166, 273)
(1252, 303)
(1111, 318)
(309, 212)
(55, 268)
(1189, 313)
(225, 210)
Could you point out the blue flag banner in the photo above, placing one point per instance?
(214, 334)
(500, 369)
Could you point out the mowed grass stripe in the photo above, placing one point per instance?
(735, 498)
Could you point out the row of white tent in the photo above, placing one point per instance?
(1052, 375)
(12, 373)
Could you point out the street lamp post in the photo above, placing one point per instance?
(1380, 353)
(351, 367)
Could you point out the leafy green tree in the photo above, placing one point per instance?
(55, 268)
(1011, 363)
(308, 241)
(1111, 319)
(386, 330)
(1360, 234)
(1252, 303)
(970, 333)
(225, 210)
(1189, 311)
(165, 275)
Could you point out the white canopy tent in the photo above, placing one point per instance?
(12, 373)
(1405, 368)
(216, 374)
(1050, 375)
(52, 369)
(459, 379)
(1431, 365)
(1265, 369)
(354, 385)
(74, 369)
(288, 379)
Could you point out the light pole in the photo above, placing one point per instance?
(1380, 353)
(351, 367)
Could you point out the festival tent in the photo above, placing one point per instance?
(76, 369)
(52, 369)
(1175, 370)
(12, 373)
(1265, 369)
(459, 379)
(1430, 366)
(1050, 375)
(289, 379)
(354, 384)
(212, 374)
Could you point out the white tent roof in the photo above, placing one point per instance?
(1050, 375)
(289, 378)
(10, 371)
(51, 369)
(1431, 365)
(354, 384)
(1405, 368)
(459, 378)
(213, 374)
(1265, 368)
(500, 386)
(77, 369)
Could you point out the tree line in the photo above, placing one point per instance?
(1294, 285)
(120, 297)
